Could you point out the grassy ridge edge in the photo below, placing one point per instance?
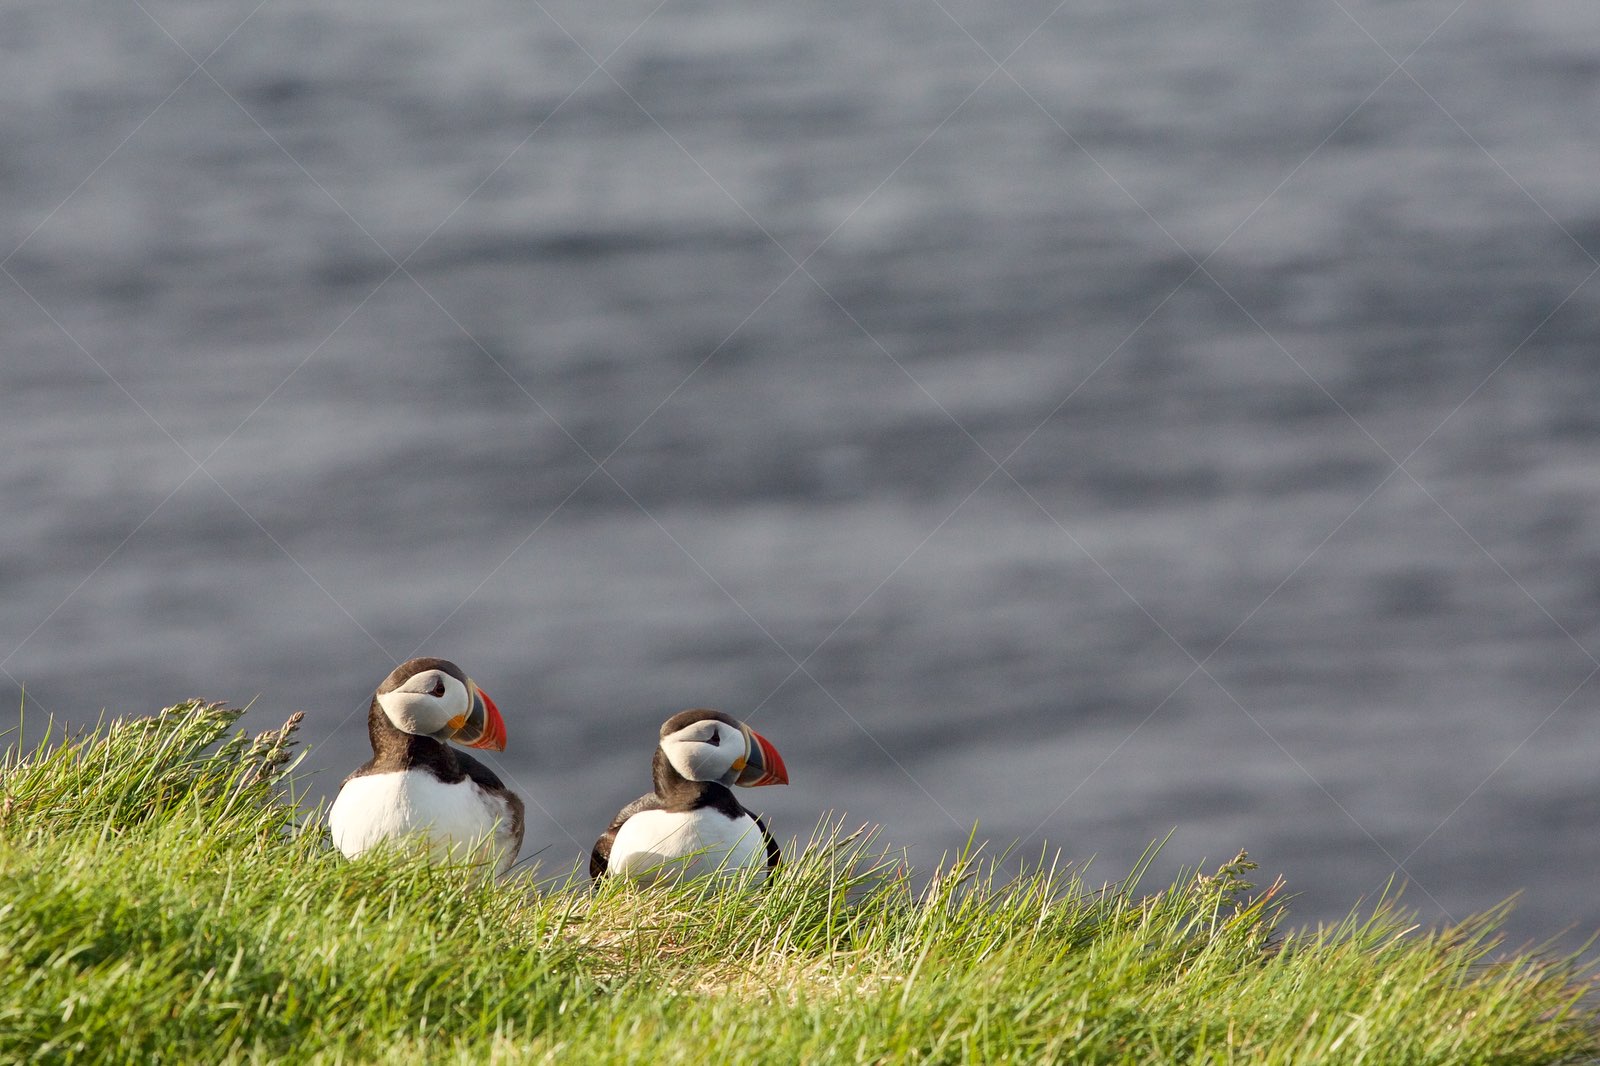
(167, 898)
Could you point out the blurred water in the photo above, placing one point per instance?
(800, 465)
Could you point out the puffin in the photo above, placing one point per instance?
(692, 820)
(416, 784)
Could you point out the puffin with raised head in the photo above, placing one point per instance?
(416, 784)
(692, 820)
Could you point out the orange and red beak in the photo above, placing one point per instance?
(762, 765)
(481, 726)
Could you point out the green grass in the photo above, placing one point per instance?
(164, 899)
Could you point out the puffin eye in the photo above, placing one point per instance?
(438, 688)
(715, 739)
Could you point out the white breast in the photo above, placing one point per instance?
(696, 843)
(460, 821)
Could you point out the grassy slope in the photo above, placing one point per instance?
(160, 901)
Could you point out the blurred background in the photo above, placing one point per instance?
(1089, 420)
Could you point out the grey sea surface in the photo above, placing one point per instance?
(1191, 424)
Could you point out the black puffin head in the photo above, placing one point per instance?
(706, 745)
(430, 697)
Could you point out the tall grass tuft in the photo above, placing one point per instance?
(166, 899)
(133, 770)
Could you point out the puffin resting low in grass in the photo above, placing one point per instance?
(692, 824)
(416, 785)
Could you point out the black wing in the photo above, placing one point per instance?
(773, 854)
(482, 775)
(478, 772)
(600, 855)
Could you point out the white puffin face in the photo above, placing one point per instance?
(707, 751)
(426, 703)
